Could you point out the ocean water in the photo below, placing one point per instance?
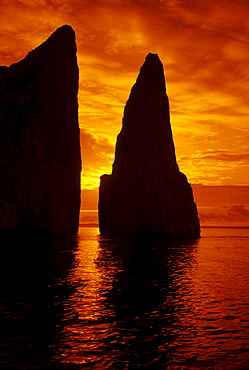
(97, 303)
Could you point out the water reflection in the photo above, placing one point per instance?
(143, 297)
(34, 275)
(97, 303)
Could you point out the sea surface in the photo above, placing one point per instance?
(97, 303)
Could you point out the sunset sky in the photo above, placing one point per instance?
(204, 47)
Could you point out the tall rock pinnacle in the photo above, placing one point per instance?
(40, 159)
(146, 193)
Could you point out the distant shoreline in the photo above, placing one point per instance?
(202, 227)
(224, 227)
(89, 225)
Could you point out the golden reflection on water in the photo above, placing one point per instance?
(100, 303)
(137, 301)
(91, 277)
(85, 334)
(120, 283)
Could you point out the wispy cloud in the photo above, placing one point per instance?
(221, 166)
(204, 46)
(219, 156)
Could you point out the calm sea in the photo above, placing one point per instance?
(96, 303)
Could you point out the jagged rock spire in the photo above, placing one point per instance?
(40, 160)
(146, 193)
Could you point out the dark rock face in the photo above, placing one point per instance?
(40, 159)
(146, 193)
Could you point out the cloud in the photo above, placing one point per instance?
(87, 219)
(240, 211)
(97, 155)
(235, 214)
(204, 47)
(216, 167)
(221, 155)
(95, 148)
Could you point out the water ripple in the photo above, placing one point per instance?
(95, 303)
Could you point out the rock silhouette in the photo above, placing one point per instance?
(146, 193)
(40, 159)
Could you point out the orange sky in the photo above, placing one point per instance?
(204, 46)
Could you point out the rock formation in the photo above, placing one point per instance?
(40, 160)
(146, 193)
